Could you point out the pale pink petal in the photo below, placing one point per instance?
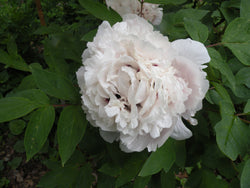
(180, 132)
(192, 50)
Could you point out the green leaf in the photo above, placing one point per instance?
(12, 47)
(222, 92)
(209, 180)
(168, 179)
(166, 2)
(231, 133)
(180, 150)
(85, 177)
(63, 177)
(110, 169)
(244, 9)
(4, 76)
(193, 14)
(141, 182)
(244, 179)
(163, 157)
(229, 9)
(173, 23)
(63, 45)
(35, 95)
(130, 169)
(101, 11)
(237, 39)
(19, 146)
(105, 181)
(38, 129)
(247, 107)
(15, 162)
(55, 85)
(28, 82)
(196, 29)
(219, 63)
(242, 77)
(15, 107)
(13, 61)
(54, 60)
(16, 126)
(89, 36)
(70, 130)
(205, 179)
(45, 30)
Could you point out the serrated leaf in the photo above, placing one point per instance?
(13, 61)
(237, 39)
(219, 63)
(15, 107)
(197, 30)
(55, 85)
(70, 130)
(244, 9)
(244, 179)
(38, 129)
(231, 133)
(101, 11)
(162, 158)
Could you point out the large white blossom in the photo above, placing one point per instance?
(137, 86)
(149, 11)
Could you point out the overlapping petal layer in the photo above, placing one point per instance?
(136, 85)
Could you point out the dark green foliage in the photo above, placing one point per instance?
(40, 108)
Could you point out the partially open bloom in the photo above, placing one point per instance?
(149, 11)
(136, 86)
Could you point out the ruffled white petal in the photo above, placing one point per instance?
(180, 132)
(192, 50)
(109, 136)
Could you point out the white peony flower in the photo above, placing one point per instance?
(149, 11)
(136, 86)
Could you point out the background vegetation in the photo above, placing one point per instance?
(45, 140)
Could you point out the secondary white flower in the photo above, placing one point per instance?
(136, 86)
(149, 11)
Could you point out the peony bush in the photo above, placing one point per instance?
(124, 93)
